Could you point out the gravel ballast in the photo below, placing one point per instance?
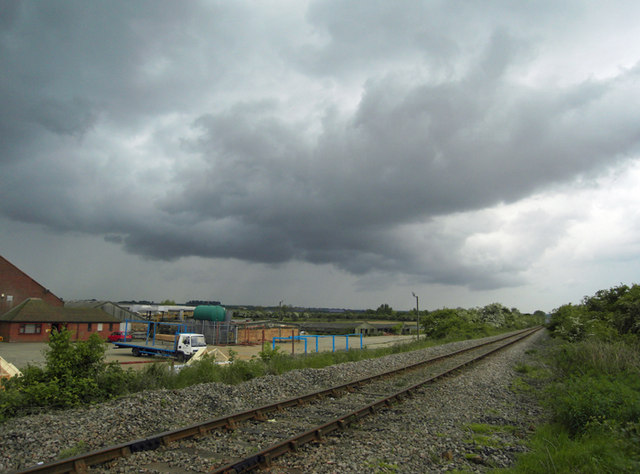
(435, 431)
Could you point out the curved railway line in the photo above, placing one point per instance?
(272, 430)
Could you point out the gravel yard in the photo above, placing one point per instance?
(428, 433)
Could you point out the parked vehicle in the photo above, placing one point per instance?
(119, 336)
(180, 345)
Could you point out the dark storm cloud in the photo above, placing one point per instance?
(240, 172)
(407, 153)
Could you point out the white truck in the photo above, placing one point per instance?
(181, 345)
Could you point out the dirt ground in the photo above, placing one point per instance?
(21, 354)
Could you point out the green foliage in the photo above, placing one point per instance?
(594, 357)
(593, 394)
(74, 374)
(461, 323)
(205, 370)
(605, 315)
(580, 402)
(499, 316)
(553, 450)
(384, 309)
(595, 382)
(267, 354)
(485, 435)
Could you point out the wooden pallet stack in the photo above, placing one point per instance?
(7, 369)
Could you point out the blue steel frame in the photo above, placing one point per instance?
(152, 349)
(182, 327)
(317, 337)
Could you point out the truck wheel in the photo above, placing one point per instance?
(182, 358)
(136, 352)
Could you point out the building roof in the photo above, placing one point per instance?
(9, 269)
(34, 310)
(93, 304)
(379, 325)
(265, 323)
(329, 326)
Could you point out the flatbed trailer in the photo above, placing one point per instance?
(179, 345)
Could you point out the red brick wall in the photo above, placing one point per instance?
(19, 285)
(10, 332)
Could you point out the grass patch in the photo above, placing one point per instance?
(75, 450)
(485, 441)
(485, 435)
(484, 428)
(554, 450)
(380, 466)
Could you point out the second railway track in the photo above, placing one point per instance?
(231, 442)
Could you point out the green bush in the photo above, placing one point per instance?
(593, 393)
(74, 374)
(205, 370)
(606, 315)
(581, 402)
(242, 370)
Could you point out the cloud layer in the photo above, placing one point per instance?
(340, 133)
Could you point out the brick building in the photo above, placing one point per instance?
(16, 286)
(33, 320)
(29, 311)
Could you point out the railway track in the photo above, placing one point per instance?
(251, 439)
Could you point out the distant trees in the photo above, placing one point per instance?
(473, 322)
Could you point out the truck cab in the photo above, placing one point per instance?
(187, 344)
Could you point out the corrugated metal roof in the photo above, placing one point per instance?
(34, 310)
(84, 303)
(321, 325)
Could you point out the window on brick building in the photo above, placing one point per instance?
(88, 327)
(30, 329)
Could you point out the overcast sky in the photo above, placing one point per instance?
(322, 153)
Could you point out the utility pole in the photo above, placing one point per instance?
(417, 314)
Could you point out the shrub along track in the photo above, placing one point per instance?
(233, 440)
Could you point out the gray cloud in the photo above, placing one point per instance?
(187, 129)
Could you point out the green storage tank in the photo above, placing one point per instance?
(210, 313)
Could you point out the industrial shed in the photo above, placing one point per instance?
(108, 307)
(343, 327)
(34, 319)
(378, 328)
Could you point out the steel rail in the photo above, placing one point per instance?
(263, 458)
(82, 462)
